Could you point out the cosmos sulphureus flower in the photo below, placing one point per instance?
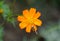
(29, 20)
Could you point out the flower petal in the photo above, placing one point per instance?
(23, 25)
(37, 22)
(20, 18)
(32, 12)
(26, 13)
(37, 15)
(28, 28)
(35, 28)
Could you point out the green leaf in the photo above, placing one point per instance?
(1, 3)
(1, 33)
(6, 12)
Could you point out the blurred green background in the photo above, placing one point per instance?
(50, 29)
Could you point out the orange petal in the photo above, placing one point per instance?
(26, 13)
(28, 28)
(23, 25)
(35, 28)
(32, 12)
(37, 15)
(37, 22)
(20, 18)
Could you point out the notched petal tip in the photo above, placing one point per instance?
(28, 28)
(25, 11)
(32, 10)
(37, 15)
(18, 18)
(21, 18)
(23, 25)
(40, 23)
(37, 22)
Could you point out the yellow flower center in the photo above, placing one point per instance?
(30, 20)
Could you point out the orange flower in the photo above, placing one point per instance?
(1, 11)
(29, 20)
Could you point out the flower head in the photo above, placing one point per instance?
(1, 11)
(29, 20)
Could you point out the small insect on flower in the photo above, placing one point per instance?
(1, 11)
(29, 20)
